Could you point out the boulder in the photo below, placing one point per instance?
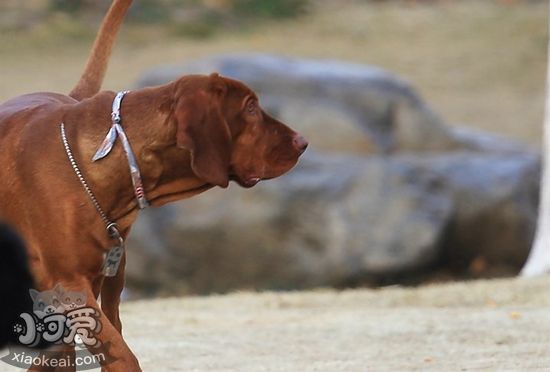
(337, 219)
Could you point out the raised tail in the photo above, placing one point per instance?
(96, 67)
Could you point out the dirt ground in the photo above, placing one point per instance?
(498, 325)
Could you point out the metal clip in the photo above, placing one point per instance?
(112, 230)
(115, 117)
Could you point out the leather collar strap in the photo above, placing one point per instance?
(107, 146)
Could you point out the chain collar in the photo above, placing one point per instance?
(82, 180)
(112, 259)
(110, 266)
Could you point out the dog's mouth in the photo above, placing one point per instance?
(246, 182)
(250, 178)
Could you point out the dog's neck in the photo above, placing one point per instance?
(147, 118)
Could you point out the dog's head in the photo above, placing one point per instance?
(220, 122)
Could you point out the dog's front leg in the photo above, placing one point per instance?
(58, 353)
(120, 358)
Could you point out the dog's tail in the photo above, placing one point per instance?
(96, 67)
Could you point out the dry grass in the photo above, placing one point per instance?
(477, 62)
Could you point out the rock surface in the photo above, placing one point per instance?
(336, 219)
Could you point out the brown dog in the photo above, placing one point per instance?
(188, 136)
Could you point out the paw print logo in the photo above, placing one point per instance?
(18, 329)
(40, 327)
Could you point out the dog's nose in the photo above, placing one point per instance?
(300, 143)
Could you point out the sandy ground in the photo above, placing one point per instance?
(491, 325)
(498, 325)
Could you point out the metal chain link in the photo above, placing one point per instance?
(110, 225)
(111, 259)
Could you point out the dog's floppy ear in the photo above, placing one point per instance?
(202, 129)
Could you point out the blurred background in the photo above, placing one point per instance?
(424, 117)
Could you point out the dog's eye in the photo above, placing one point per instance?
(251, 107)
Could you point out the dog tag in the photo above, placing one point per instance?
(112, 261)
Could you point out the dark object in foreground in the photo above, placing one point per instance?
(16, 281)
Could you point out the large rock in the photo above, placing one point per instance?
(339, 219)
(338, 106)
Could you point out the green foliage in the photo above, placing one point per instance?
(69, 6)
(161, 10)
(269, 8)
(149, 11)
(194, 18)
